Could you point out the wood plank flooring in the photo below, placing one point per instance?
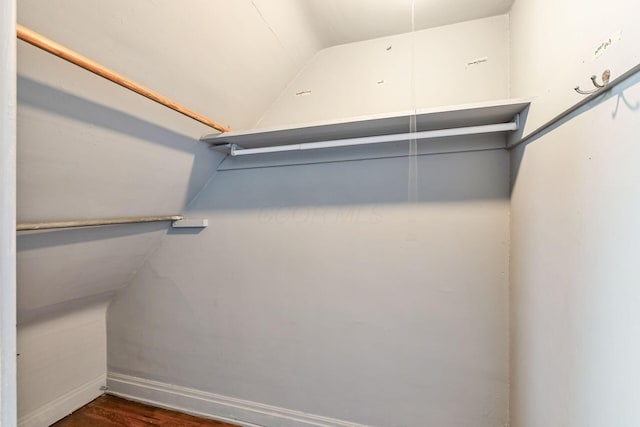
(111, 411)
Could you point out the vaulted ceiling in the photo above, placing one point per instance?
(229, 59)
(88, 148)
(340, 21)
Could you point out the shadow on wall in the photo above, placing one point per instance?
(621, 102)
(459, 177)
(51, 312)
(30, 240)
(56, 101)
(60, 267)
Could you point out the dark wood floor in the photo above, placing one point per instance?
(111, 411)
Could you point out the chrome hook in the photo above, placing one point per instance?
(584, 92)
(606, 76)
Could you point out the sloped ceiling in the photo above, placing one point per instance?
(88, 148)
(340, 21)
(224, 59)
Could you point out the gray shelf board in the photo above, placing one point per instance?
(385, 124)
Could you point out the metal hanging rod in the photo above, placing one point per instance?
(440, 133)
(95, 222)
(566, 113)
(75, 58)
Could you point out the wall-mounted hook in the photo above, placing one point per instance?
(584, 92)
(606, 76)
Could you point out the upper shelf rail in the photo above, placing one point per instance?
(39, 41)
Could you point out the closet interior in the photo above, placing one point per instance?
(322, 213)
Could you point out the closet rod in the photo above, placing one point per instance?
(75, 58)
(379, 139)
(95, 222)
(633, 71)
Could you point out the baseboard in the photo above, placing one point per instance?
(64, 405)
(214, 406)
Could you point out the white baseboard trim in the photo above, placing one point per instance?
(65, 404)
(214, 406)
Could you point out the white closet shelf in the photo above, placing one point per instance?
(427, 119)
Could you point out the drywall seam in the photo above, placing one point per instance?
(65, 404)
(275, 34)
(216, 406)
(8, 332)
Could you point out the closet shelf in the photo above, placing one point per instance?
(427, 119)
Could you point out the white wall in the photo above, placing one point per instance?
(88, 149)
(7, 214)
(319, 288)
(61, 362)
(344, 80)
(574, 214)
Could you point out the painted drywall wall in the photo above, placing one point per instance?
(321, 289)
(574, 214)
(375, 76)
(307, 291)
(88, 149)
(61, 354)
(8, 191)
